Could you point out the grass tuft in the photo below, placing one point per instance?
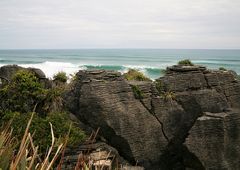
(135, 75)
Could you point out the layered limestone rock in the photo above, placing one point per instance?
(188, 119)
(214, 136)
(104, 99)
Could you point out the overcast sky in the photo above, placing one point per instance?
(119, 24)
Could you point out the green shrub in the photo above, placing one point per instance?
(137, 92)
(185, 63)
(25, 93)
(135, 75)
(40, 128)
(22, 93)
(222, 69)
(60, 76)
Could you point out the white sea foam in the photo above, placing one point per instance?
(51, 68)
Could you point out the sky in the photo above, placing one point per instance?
(57, 24)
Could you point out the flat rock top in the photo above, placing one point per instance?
(181, 68)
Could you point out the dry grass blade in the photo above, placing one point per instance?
(22, 148)
(49, 151)
(59, 167)
(55, 157)
(46, 165)
(106, 159)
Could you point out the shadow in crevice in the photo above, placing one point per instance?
(179, 158)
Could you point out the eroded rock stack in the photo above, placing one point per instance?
(189, 118)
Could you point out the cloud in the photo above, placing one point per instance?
(119, 24)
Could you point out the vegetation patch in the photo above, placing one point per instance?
(137, 92)
(165, 94)
(222, 69)
(169, 95)
(24, 95)
(135, 75)
(186, 62)
(61, 77)
(40, 128)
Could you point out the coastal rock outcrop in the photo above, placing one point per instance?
(104, 99)
(187, 119)
(6, 72)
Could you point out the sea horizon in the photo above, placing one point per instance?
(150, 61)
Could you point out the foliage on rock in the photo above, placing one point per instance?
(137, 92)
(186, 62)
(22, 93)
(61, 77)
(165, 94)
(135, 75)
(40, 128)
(25, 94)
(222, 69)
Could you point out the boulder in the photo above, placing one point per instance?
(8, 71)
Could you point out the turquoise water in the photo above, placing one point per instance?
(149, 61)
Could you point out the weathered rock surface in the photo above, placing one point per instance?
(188, 119)
(8, 71)
(192, 122)
(104, 99)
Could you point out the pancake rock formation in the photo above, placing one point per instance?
(187, 119)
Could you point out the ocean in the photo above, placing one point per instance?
(151, 62)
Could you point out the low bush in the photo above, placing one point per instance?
(135, 75)
(25, 155)
(222, 69)
(22, 93)
(40, 128)
(25, 94)
(61, 77)
(186, 62)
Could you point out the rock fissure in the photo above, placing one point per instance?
(152, 112)
(205, 78)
